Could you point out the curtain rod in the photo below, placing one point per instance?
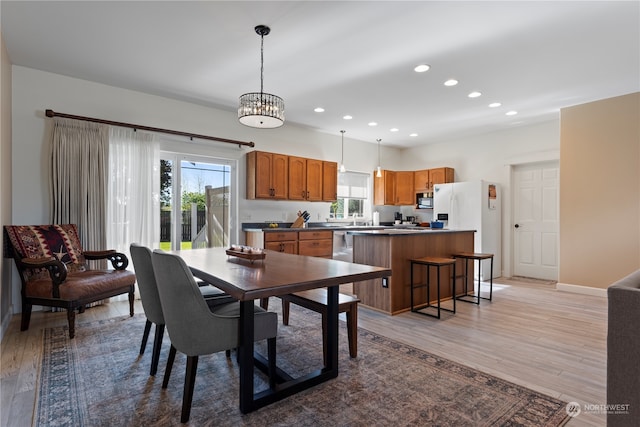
(51, 113)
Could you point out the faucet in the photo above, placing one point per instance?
(355, 216)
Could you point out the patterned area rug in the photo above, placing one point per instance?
(98, 379)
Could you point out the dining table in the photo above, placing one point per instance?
(251, 278)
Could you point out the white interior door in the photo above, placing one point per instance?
(536, 210)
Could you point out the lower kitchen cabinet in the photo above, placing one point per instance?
(284, 241)
(316, 243)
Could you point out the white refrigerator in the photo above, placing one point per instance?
(474, 205)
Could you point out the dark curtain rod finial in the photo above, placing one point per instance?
(51, 113)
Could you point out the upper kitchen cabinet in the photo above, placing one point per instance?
(421, 181)
(384, 188)
(405, 194)
(305, 179)
(329, 181)
(440, 176)
(425, 179)
(267, 175)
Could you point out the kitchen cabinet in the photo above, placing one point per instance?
(329, 181)
(305, 179)
(384, 188)
(405, 194)
(267, 175)
(425, 179)
(316, 243)
(281, 177)
(282, 241)
(440, 176)
(393, 188)
(421, 181)
(400, 187)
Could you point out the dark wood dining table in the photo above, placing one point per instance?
(277, 274)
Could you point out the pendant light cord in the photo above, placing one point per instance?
(261, 63)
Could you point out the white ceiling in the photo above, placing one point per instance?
(349, 57)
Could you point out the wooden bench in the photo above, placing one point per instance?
(316, 300)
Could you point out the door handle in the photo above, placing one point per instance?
(517, 225)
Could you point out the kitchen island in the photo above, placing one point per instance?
(394, 248)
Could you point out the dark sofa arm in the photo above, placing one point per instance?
(623, 347)
(119, 261)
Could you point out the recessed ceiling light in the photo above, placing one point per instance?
(394, 130)
(495, 104)
(451, 82)
(413, 134)
(474, 94)
(511, 113)
(422, 68)
(319, 110)
(373, 124)
(347, 117)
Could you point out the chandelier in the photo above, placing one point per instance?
(259, 109)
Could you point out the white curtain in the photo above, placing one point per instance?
(133, 208)
(79, 153)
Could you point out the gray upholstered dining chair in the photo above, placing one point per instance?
(196, 329)
(141, 257)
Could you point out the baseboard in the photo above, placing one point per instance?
(585, 290)
(5, 322)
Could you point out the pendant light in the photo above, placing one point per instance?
(259, 109)
(379, 172)
(343, 169)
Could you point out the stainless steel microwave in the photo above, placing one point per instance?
(425, 202)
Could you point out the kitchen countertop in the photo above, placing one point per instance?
(325, 226)
(386, 231)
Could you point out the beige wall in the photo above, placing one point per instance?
(600, 191)
(5, 178)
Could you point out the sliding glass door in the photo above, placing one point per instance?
(195, 201)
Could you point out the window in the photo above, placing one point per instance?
(195, 200)
(353, 196)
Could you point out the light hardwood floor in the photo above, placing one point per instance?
(550, 341)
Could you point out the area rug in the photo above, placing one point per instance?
(99, 379)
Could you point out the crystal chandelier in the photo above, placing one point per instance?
(259, 109)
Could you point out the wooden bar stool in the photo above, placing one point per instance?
(433, 262)
(475, 298)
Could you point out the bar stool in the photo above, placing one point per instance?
(475, 298)
(433, 262)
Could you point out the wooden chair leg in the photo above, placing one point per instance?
(145, 336)
(285, 311)
(26, 316)
(352, 330)
(71, 318)
(157, 345)
(264, 303)
(271, 354)
(131, 301)
(167, 370)
(189, 385)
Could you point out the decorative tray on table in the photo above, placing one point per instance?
(246, 252)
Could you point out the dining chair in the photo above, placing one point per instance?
(141, 257)
(196, 329)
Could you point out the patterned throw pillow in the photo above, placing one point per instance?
(60, 241)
